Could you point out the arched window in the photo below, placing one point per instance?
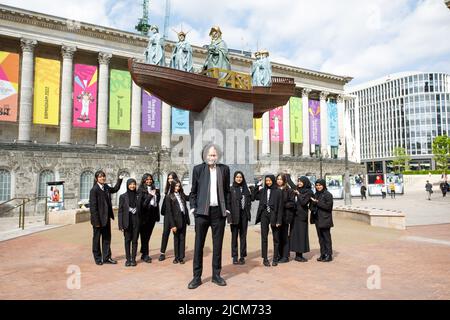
(86, 182)
(5, 185)
(44, 177)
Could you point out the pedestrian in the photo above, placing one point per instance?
(322, 217)
(100, 206)
(444, 188)
(392, 189)
(383, 191)
(129, 222)
(363, 191)
(429, 189)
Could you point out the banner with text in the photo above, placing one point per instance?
(296, 119)
(314, 122)
(151, 113)
(46, 91)
(180, 121)
(119, 100)
(333, 130)
(276, 124)
(85, 96)
(9, 86)
(257, 129)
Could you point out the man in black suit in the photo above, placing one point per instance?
(209, 202)
(100, 206)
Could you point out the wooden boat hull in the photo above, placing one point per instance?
(193, 92)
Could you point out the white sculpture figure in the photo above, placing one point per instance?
(155, 49)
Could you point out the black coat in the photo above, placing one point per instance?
(275, 203)
(100, 204)
(199, 197)
(146, 211)
(322, 211)
(175, 216)
(163, 206)
(288, 200)
(124, 214)
(235, 198)
(302, 205)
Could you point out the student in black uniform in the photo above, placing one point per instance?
(288, 201)
(129, 221)
(100, 206)
(148, 210)
(322, 217)
(298, 235)
(177, 215)
(241, 202)
(270, 212)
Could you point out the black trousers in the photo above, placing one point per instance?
(105, 234)
(145, 231)
(324, 235)
(131, 235)
(165, 235)
(240, 230)
(284, 241)
(265, 222)
(179, 243)
(392, 194)
(216, 221)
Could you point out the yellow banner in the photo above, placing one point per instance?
(257, 129)
(46, 91)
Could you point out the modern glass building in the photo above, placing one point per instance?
(405, 110)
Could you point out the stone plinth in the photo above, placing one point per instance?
(374, 217)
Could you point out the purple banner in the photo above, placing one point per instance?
(314, 122)
(151, 113)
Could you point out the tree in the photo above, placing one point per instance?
(401, 159)
(441, 152)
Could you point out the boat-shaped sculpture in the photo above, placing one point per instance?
(193, 92)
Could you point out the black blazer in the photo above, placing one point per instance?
(322, 211)
(163, 206)
(235, 199)
(175, 216)
(302, 205)
(145, 210)
(100, 204)
(124, 214)
(275, 203)
(199, 197)
(288, 200)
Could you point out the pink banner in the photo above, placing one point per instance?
(85, 96)
(276, 124)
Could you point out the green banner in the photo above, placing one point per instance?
(296, 119)
(119, 100)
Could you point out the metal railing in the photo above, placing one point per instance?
(22, 207)
(230, 79)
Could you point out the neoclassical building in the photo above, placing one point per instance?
(32, 154)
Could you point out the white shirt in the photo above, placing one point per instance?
(101, 186)
(213, 200)
(177, 194)
(153, 200)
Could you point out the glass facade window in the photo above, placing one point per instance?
(44, 177)
(86, 183)
(5, 185)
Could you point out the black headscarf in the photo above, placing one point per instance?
(131, 193)
(306, 185)
(243, 184)
(323, 183)
(274, 181)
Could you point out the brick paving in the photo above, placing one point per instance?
(34, 267)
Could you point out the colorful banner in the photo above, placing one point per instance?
(119, 100)
(296, 119)
(85, 96)
(151, 113)
(314, 122)
(180, 121)
(46, 91)
(276, 124)
(9, 85)
(333, 129)
(257, 129)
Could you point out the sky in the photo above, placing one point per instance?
(365, 40)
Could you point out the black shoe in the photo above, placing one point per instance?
(162, 257)
(266, 263)
(328, 258)
(133, 263)
(175, 261)
(242, 260)
(274, 262)
(128, 264)
(110, 261)
(322, 256)
(283, 260)
(181, 261)
(301, 259)
(235, 260)
(219, 281)
(99, 262)
(195, 283)
(146, 259)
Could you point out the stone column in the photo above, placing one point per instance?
(306, 149)
(102, 114)
(136, 104)
(26, 90)
(341, 125)
(166, 116)
(265, 134)
(324, 124)
(286, 131)
(65, 129)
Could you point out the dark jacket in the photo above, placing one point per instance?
(100, 204)
(275, 204)
(322, 211)
(124, 214)
(199, 196)
(235, 198)
(146, 211)
(163, 206)
(288, 199)
(175, 216)
(302, 204)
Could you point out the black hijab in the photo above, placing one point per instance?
(131, 193)
(274, 181)
(242, 185)
(323, 183)
(306, 185)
